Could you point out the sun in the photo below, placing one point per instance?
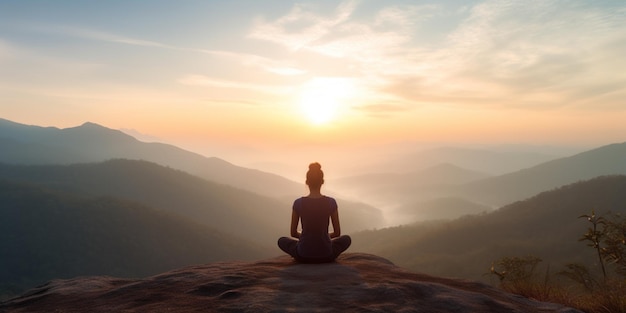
(321, 99)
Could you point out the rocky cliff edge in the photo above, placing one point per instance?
(355, 283)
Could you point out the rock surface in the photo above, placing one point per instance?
(355, 283)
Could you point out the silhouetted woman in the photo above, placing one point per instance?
(315, 244)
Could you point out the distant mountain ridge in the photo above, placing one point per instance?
(493, 161)
(452, 181)
(387, 187)
(88, 143)
(504, 189)
(439, 174)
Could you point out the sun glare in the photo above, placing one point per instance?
(322, 98)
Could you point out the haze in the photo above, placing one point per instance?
(277, 84)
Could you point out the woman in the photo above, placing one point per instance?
(315, 244)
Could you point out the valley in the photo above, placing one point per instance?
(94, 201)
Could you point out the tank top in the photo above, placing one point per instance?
(315, 217)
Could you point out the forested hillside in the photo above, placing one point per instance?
(49, 234)
(546, 226)
(219, 206)
(133, 218)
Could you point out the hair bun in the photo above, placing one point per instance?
(315, 167)
(315, 176)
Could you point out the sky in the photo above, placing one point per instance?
(257, 75)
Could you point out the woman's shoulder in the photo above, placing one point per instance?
(332, 201)
(330, 198)
(321, 198)
(297, 202)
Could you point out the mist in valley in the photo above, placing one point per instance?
(407, 181)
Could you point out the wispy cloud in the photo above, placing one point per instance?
(247, 59)
(276, 67)
(383, 109)
(340, 35)
(201, 80)
(544, 50)
(91, 34)
(280, 67)
(532, 54)
(300, 28)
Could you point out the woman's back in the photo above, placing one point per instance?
(314, 243)
(315, 216)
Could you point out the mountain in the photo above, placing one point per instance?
(440, 174)
(225, 208)
(504, 189)
(50, 234)
(394, 190)
(355, 283)
(60, 215)
(88, 143)
(546, 226)
(222, 207)
(492, 161)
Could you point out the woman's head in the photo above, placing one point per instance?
(315, 176)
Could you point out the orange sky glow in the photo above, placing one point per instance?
(321, 73)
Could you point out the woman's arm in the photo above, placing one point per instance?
(334, 217)
(295, 218)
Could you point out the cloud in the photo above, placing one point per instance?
(277, 67)
(383, 109)
(340, 35)
(540, 49)
(286, 71)
(300, 28)
(280, 67)
(201, 80)
(90, 34)
(532, 54)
